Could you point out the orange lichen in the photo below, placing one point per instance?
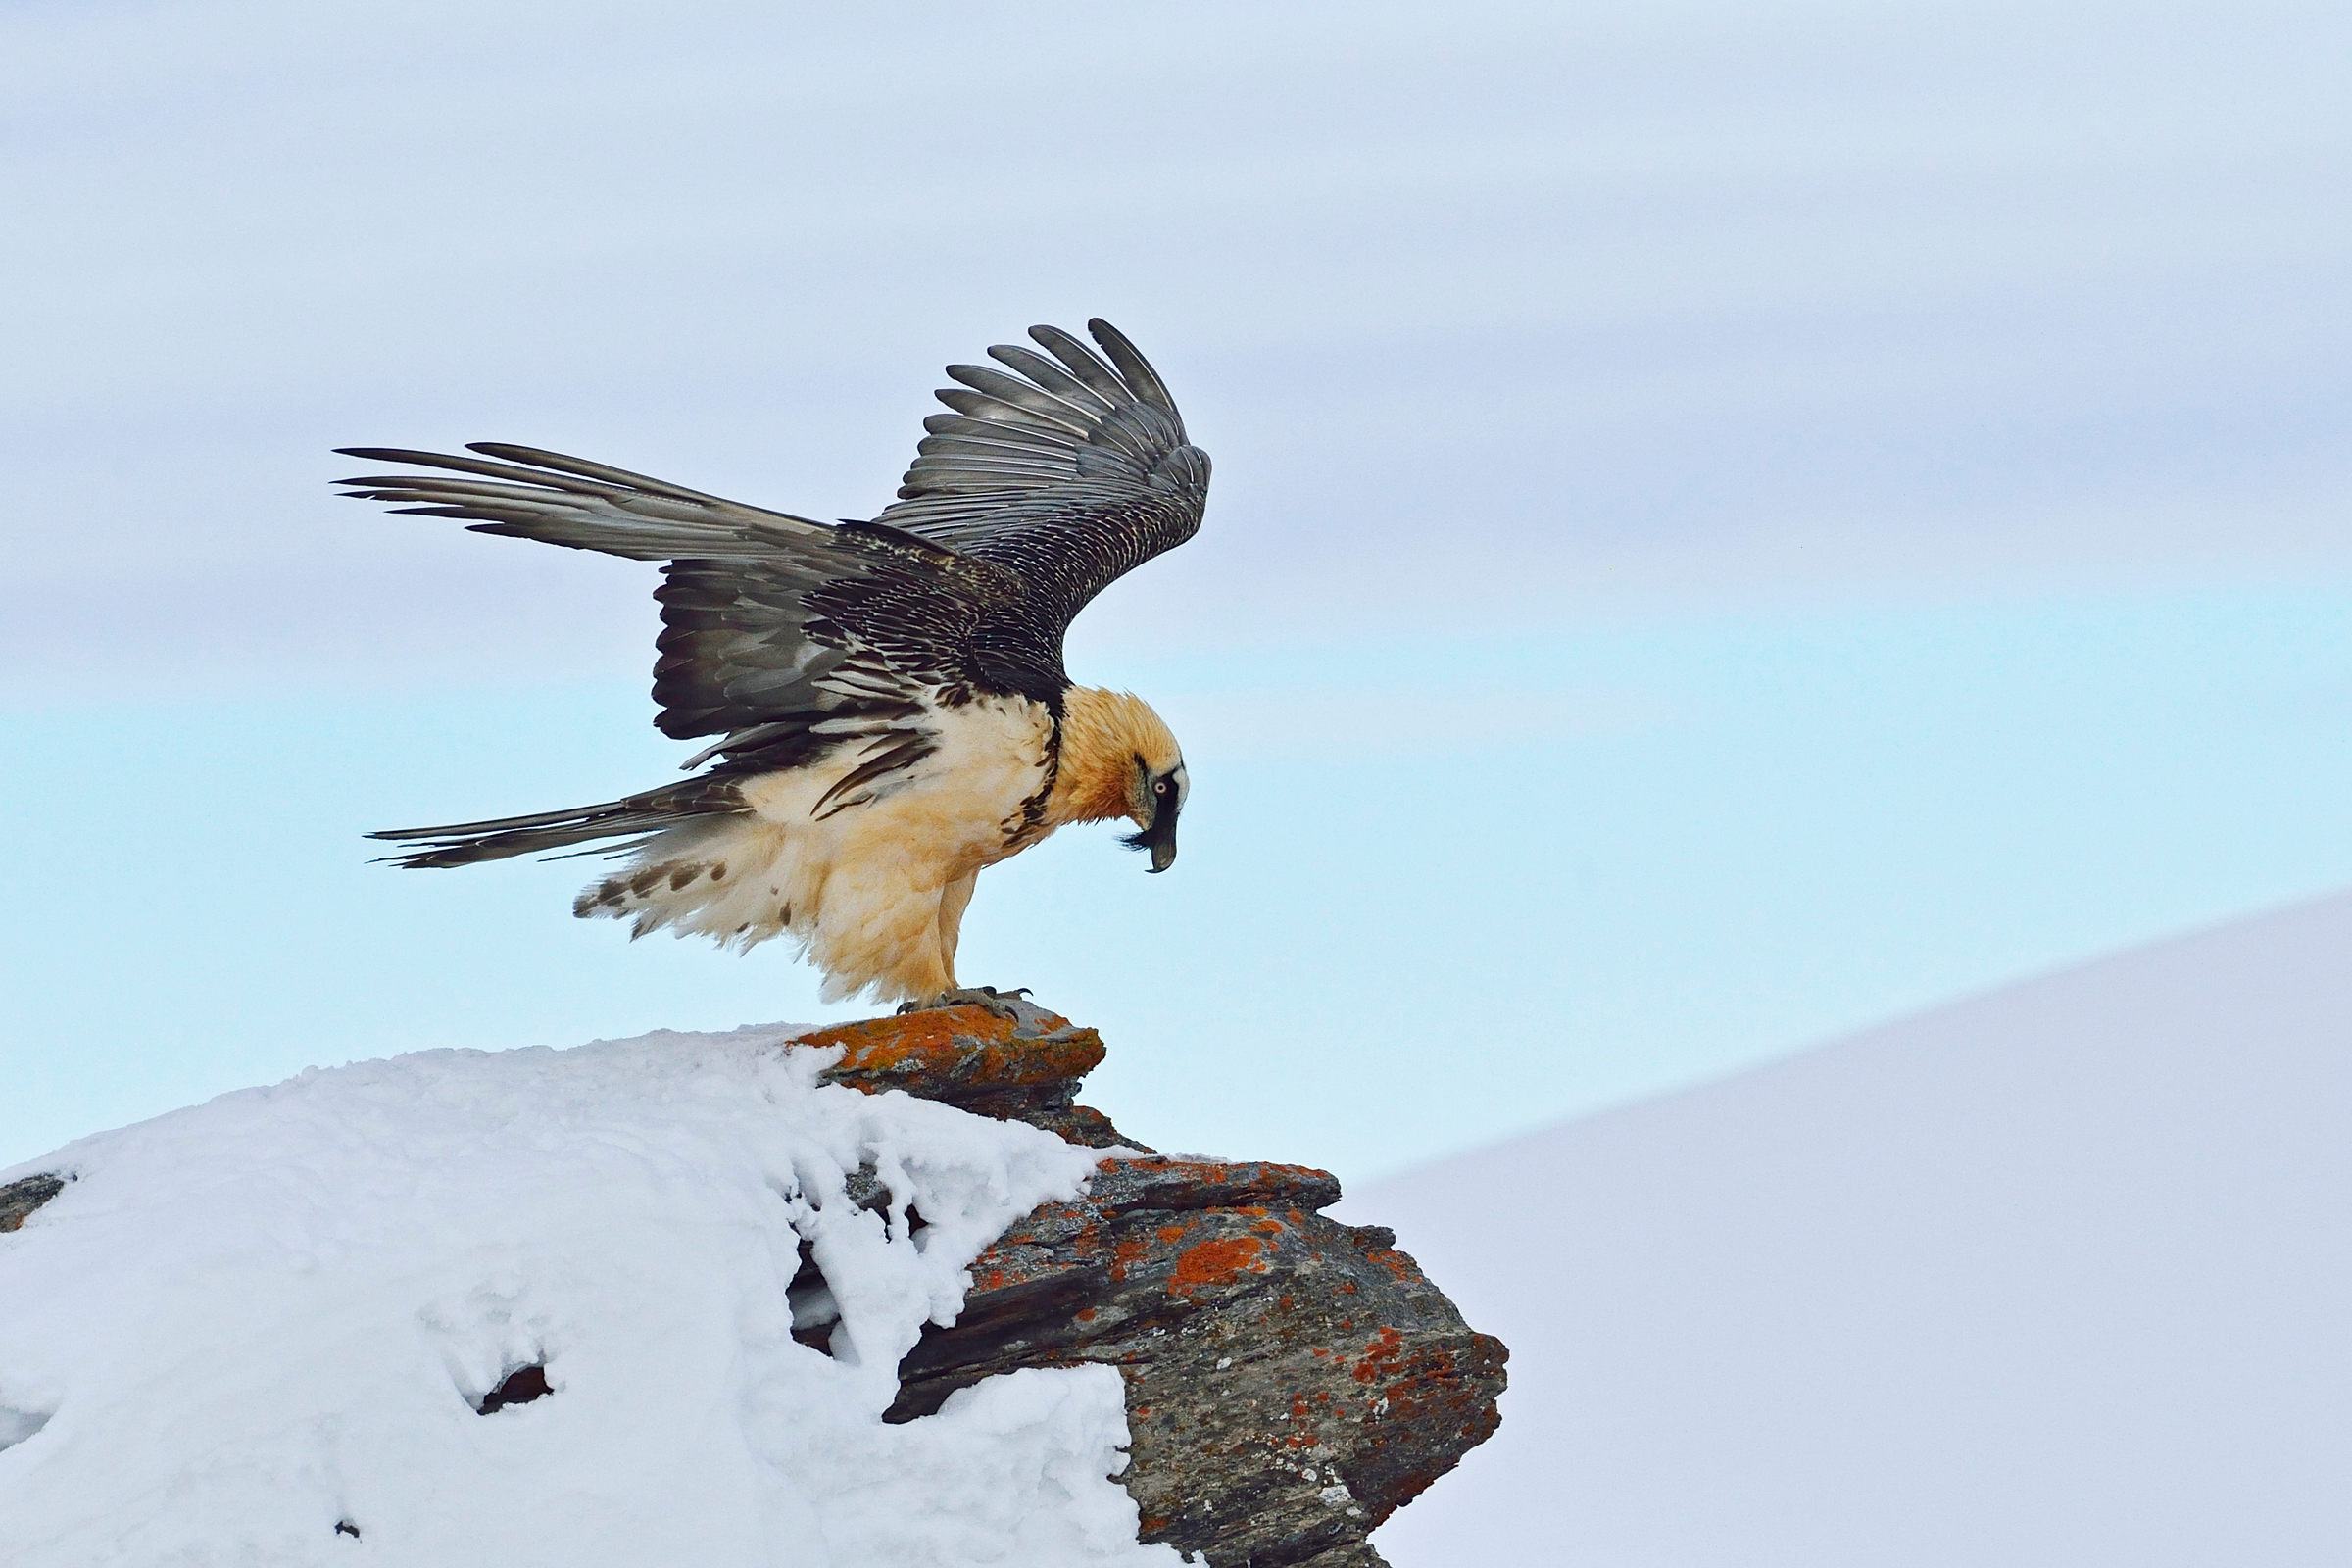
(1216, 1262)
(968, 1045)
(1388, 1345)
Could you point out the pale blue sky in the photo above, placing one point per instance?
(1729, 522)
(1648, 852)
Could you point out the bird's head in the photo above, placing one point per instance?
(1153, 802)
(1118, 758)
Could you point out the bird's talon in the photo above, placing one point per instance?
(1006, 1005)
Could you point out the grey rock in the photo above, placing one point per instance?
(18, 1198)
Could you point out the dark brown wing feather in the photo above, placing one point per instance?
(789, 638)
(1071, 470)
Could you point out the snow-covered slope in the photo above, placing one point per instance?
(257, 1331)
(2059, 1275)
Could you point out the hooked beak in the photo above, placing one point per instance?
(1160, 839)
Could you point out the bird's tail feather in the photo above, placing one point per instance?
(633, 818)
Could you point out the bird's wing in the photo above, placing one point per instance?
(787, 636)
(1070, 467)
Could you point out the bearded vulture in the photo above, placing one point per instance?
(888, 697)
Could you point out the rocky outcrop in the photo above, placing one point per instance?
(1290, 1380)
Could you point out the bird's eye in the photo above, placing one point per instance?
(1161, 788)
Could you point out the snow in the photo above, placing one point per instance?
(2055, 1278)
(247, 1329)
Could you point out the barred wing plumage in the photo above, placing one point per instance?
(784, 635)
(1072, 471)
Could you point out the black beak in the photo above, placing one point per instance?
(1159, 838)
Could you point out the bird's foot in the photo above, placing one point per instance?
(1006, 1005)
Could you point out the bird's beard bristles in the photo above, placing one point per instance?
(1103, 733)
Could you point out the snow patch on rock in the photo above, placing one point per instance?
(255, 1327)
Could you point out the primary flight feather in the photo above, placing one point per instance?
(891, 712)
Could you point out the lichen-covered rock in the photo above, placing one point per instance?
(1290, 1380)
(1022, 1068)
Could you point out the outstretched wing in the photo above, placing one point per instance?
(786, 636)
(1072, 471)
